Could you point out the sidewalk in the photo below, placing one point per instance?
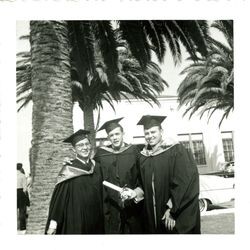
(219, 220)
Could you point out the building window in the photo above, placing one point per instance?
(186, 144)
(199, 152)
(194, 143)
(228, 147)
(100, 142)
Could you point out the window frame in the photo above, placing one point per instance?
(227, 153)
(191, 147)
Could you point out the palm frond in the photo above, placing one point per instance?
(24, 37)
(225, 115)
(220, 46)
(134, 34)
(196, 32)
(185, 39)
(188, 97)
(200, 38)
(194, 68)
(187, 92)
(83, 48)
(23, 54)
(226, 28)
(105, 36)
(26, 99)
(191, 80)
(109, 101)
(211, 104)
(172, 42)
(125, 81)
(153, 31)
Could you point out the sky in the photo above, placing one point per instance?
(24, 117)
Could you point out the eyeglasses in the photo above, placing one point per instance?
(82, 145)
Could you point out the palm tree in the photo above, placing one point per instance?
(98, 73)
(130, 81)
(142, 36)
(50, 74)
(97, 76)
(209, 83)
(95, 84)
(52, 112)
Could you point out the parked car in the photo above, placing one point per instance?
(229, 169)
(215, 190)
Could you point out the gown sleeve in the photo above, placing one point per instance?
(139, 190)
(57, 204)
(185, 183)
(97, 156)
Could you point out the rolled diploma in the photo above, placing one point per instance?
(112, 186)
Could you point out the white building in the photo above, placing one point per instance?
(211, 146)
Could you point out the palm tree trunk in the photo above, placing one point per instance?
(89, 123)
(52, 113)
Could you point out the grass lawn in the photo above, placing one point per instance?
(218, 224)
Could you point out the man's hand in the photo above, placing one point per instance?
(52, 227)
(67, 161)
(51, 231)
(127, 194)
(169, 221)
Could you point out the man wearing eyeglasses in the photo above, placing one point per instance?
(76, 203)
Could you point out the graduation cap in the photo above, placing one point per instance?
(77, 136)
(110, 125)
(149, 121)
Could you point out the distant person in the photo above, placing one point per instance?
(27, 193)
(22, 198)
(170, 183)
(76, 203)
(22, 171)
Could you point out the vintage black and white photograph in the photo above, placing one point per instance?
(125, 127)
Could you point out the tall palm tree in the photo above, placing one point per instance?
(52, 112)
(50, 75)
(140, 38)
(99, 72)
(209, 83)
(130, 81)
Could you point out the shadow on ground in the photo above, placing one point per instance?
(225, 205)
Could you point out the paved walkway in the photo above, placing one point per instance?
(219, 219)
(219, 211)
(221, 214)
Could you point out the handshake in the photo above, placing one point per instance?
(127, 194)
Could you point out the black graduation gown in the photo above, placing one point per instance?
(76, 203)
(172, 173)
(120, 168)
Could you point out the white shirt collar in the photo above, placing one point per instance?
(81, 160)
